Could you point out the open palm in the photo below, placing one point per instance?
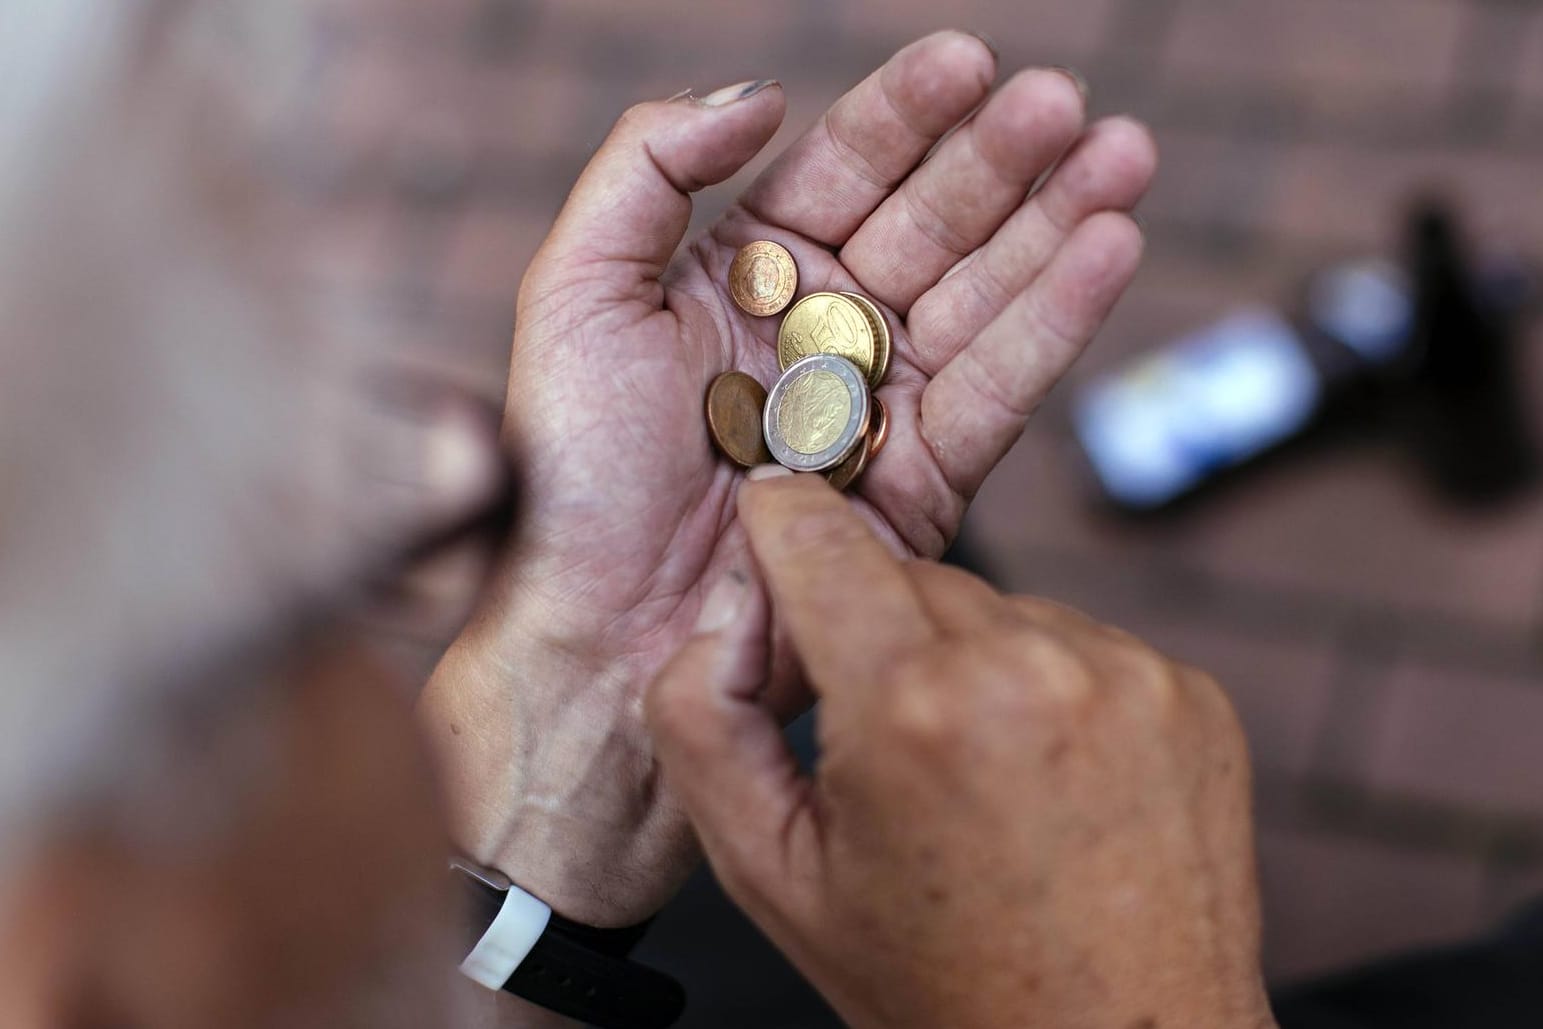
(991, 286)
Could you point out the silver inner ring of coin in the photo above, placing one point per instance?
(851, 435)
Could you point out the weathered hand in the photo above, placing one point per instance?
(991, 290)
(1020, 817)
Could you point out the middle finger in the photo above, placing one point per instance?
(955, 201)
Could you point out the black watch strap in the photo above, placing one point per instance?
(581, 971)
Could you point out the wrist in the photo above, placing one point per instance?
(548, 778)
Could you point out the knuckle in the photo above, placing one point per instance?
(927, 710)
(1062, 679)
(1157, 680)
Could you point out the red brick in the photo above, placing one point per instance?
(1356, 197)
(1211, 180)
(666, 31)
(1359, 525)
(1052, 31)
(1460, 738)
(1330, 902)
(1281, 691)
(1328, 55)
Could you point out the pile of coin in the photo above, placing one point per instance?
(833, 349)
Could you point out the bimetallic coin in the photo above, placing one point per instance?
(763, 278)
(878, 435)
(881, 338)
(847, 472)
(734, 405)
(827, 323)
(817, 414)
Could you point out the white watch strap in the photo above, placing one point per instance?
(514, 931)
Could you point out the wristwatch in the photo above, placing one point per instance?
(520, 945)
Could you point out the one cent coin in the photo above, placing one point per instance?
(878, 434)
(734, 405)
(827, 323)
(817, 413)
(763, 278)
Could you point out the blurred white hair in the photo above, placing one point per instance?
(171, 467)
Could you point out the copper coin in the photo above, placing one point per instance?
(847, 472)
(734, 405)
(878, 434)
(763, 278)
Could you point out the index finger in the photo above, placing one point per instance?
(847, 602)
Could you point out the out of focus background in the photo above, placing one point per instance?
(1381, 641)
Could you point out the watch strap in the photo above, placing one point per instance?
(519, 945)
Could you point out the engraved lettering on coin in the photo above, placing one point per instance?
(827, 323)
(814, 410)
(763, 278)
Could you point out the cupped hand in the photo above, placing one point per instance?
(916, 189)
(1019, 818)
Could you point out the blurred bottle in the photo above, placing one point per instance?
(1424, 350)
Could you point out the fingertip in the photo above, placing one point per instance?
(1034, 117)
(1097, 262)
(964, 50)
(939, 79)
(1129, 147)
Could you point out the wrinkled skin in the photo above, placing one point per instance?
(991, 291)
(1020, 817)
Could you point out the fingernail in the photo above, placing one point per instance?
(729, 94)
(990, 44)
(723, 603)
(684, 94)
(1077, 80)
(768, 471)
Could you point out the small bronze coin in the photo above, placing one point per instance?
(763, 278)
(878, 433)
(734, 405)
(847, 472)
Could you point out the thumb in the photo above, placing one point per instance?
(721, 748)
(631, 207)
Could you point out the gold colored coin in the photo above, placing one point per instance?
(734, 405)
(827, 323)
(763, 278)
(881, 338)
(878, 435)
(813, 412)
(847, 472)
(814, 425)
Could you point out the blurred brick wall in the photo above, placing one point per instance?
(1383, 651)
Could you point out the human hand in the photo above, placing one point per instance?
(1020, 817)
(630, 520)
